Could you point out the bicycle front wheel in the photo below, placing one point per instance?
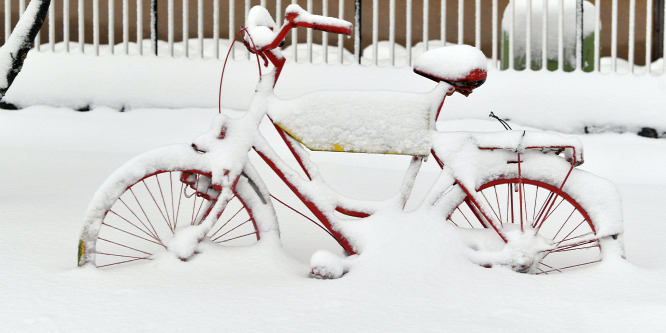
(136, 214)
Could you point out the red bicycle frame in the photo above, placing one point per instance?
(270, 53)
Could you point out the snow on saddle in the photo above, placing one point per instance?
(462, 66)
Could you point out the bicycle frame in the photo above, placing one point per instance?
(352, 208)
(324, 210)
(539, 203)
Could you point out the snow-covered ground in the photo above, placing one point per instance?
(53, 158)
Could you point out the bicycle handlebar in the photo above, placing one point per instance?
(299, 17)
(295, 16)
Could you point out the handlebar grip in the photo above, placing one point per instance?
(330, 24)
(299, 17)
(328, 28)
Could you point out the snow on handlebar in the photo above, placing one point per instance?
(265, 33)
(299, 17)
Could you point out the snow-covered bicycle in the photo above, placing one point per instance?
(515, 197)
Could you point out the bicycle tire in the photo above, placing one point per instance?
(546, 210)
(142, 205)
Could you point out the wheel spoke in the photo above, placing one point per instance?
(148, 231)
(570, 245)
(524, 206)
(552, 214)
(577, 247)
(120, 255)
(536, 197)
(563, 224)
(477, 214)
(237, 237)
(132, 234)
(570, 267)
(573, 247)
(134, 225)
(499, 207)
(551, 268)
(541, 210)
(125, 246)
(203, 201)
(181, 194)
(234, 228)
(512, 211)
(521, 204)
(571, 232)
(166, 208)
(194, 203)
(131, 230)
(467, 219)
(123, 262)
(552, 211)
(173, 199)
(225, 223)
(144, 213)
(491, 207)
(155, 202)
(579, 242)
(464, 216)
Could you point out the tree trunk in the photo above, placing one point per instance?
(16, 48)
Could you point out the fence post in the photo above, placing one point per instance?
(65, 23)
(357, 31)
(658, 30)
(139, 26)
(81, 26)
(579, 35)
(153, 25)
(110, 26)
(96, 26)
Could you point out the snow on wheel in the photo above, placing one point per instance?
(145, 218)
(558, 234)
(144, 205)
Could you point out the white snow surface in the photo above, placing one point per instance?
(412, 276)
(76, 81)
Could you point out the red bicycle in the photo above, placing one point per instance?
(515, 197)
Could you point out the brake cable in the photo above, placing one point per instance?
(231, 47)
(502, 121)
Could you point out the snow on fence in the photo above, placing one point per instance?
(608, 34)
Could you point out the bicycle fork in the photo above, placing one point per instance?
(185, 241)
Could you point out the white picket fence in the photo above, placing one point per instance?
(134, 41)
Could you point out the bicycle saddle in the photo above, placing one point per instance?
(462, 66)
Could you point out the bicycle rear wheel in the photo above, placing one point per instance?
(539, 209)
(139, 222)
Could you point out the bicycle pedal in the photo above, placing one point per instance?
(322, 273)
(185, 259)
